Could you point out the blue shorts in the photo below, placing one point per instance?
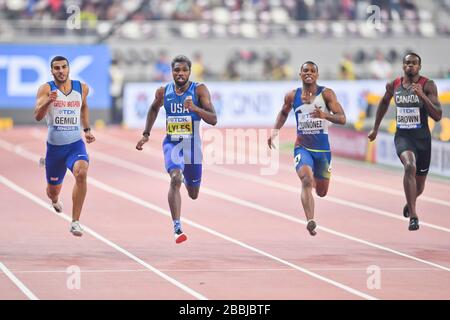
(320, 162)
(185, 155)
(60, 158)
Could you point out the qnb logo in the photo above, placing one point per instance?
(17, 65)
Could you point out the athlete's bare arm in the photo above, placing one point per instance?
(282, 116)
(85, 114)
(337, 114)
(429, 95)
(43, 99)
(151, 116)
(381, 111)
(206, 109)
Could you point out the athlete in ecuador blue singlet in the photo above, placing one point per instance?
(63, 104)
(186, 103)
(314, 107)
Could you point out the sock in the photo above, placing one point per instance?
(176, 225)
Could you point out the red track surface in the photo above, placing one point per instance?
(247, 239)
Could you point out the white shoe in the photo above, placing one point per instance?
(76, 229)
(58, 206)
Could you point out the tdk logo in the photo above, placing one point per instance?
(67, 112)
(16, 65)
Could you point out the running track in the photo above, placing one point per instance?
(246, 232)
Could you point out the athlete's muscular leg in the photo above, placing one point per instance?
(174, 196)
(306, 176)
(53, 191)
(192, 175)
(409, 181)
(322, 187)
(193, 191)
(80, 169)
(420, 183)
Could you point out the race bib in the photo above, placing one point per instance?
(408, 118)
(66, 119)
(179, 125)
(308, 125)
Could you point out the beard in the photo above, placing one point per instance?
(410, 73)
(60, 78)
(180, 83)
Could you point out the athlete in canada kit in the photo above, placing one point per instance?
(63, 103)
(186, 103)
(315, 107)
(416, 99)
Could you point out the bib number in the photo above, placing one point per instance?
(308, 125)
(179, 126)
(66, 119)
(408, 118)
(297, 159)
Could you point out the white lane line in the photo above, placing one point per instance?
(45, 205)
(437, 180)
(296, 190)
(17, 282)
(374, 187)
(162, 211)
(399, 269)
(271, 183)
(218, 194)
(352, 182)
(126, 143)
(156, 174)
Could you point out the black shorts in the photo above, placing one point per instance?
(421, 149)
